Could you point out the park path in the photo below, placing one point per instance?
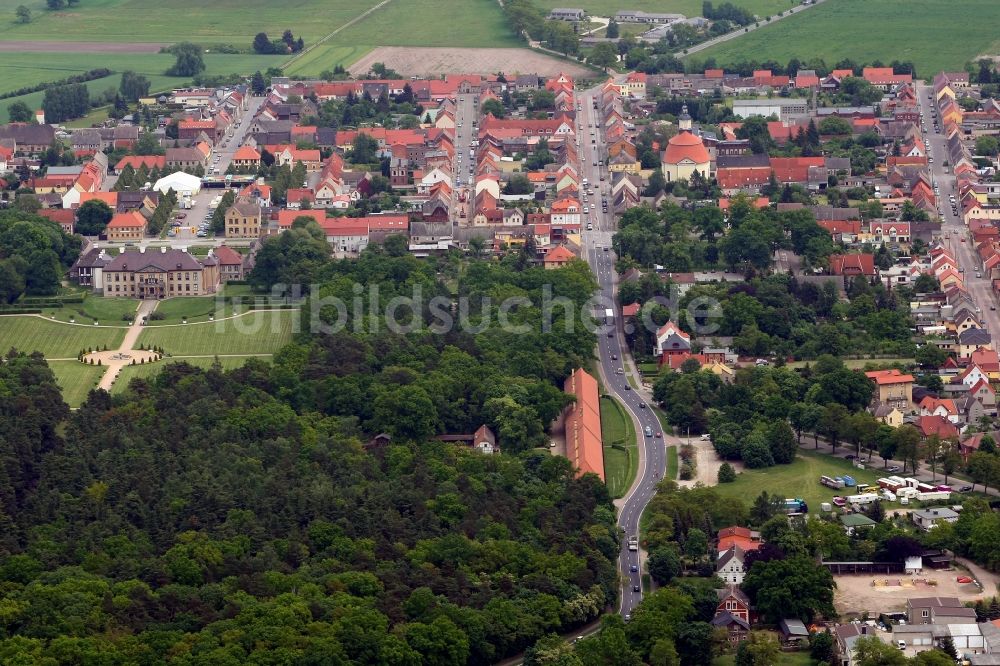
(119, 358)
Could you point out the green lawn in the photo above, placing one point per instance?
(108, 311)
(784, 659)
(76, 379)
(800, 479)
(928, 32)
(223, 21)
(150, 369)
(687, 7)
(673, 464)
(860, 363)
(620, 466)
(260, 332)
(54, 339)
(195, 308)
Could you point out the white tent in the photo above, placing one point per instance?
(184, 184)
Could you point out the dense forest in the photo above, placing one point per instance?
(34, 254)
(210, 517)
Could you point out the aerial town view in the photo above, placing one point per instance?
(474, 332)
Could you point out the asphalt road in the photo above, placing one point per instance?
(954, 232)
(464, 166)
(652, 458)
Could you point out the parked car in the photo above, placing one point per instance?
(892, 469)
(965, 489)
(181, 216)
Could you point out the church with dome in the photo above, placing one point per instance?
(685, 153)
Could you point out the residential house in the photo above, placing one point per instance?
(246, 157)
(918, 609)
(557, 258)
(243, 220)
(29, 138)
(124, 227)
(671, 340)
(733, 613)
(893, 388)
(851, 265)
(730, 566)
(847, 636)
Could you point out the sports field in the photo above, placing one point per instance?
(131, 372)
(934, 35)
(76, 379)
(53, 339)
(260, 332)
(687, 7)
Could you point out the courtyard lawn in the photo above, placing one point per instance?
(194, 308)
(687, 7)
(621, 461)
(800, 479)
(923, 31)
(76, 379)
(149, 370)
(257, 332)
(110, 311)
(29, 333)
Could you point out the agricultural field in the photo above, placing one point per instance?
(924, 31)
(224, 21)
(259, 332)
(22, 69)
(687, 7)
(146, 371)
(469, 24)
(29, 333)
(800, 479)
(76, 380)
(620, 464)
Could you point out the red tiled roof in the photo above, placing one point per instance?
(584, 446)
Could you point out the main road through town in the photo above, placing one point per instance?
(612, 348)
(954, 233)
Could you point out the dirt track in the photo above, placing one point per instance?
(430, 61)
(36, 46)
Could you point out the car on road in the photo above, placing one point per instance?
(614, 357)
(628, 617)
(993, 307)
(636, 588)
(706, 437)
(642, 405)
(634, 568)
(628, 388)
(893, 469)
(620, 371)
(965, 489)
(850, 456)
(659, 434)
